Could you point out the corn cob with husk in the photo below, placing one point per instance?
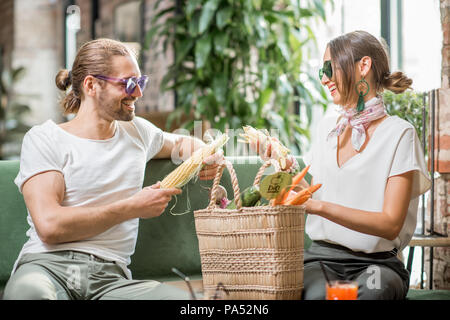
(263, 138)
(191, 166)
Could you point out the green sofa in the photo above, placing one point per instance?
(163, 242)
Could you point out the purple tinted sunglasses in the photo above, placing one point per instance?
(129, 83)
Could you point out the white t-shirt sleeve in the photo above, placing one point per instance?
(152, 135)
(409, 157)
(38, 155)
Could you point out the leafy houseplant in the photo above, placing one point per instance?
(409, 106)
(242, 62)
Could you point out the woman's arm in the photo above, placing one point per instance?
(386, 224)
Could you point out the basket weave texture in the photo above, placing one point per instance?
(255, 252)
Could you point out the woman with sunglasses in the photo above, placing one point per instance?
(372, 170)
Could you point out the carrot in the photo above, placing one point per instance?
(315, 187)
(302, 199)
(291, 195)
(295, 181)
(300, 194)
(299, 176)
(279, 198)
(308, 191)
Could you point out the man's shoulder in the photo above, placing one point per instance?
(139, 124)
(140, 130)
(45, 129)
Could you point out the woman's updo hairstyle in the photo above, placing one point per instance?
(348, 49)
(94, 57)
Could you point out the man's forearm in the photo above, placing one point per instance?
(179, 147)
(189, 145)
(67, 224)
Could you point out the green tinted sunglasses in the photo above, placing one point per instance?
(327, 69)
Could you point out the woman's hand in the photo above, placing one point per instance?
(266, 153)
(313, 206)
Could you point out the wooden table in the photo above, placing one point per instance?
(430, 242)
(425, 241)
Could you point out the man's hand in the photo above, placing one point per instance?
(151, 201)
(210, 166)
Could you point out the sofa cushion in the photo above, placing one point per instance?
(415, 294)
(163, 242)
(13, 224)
(170, 238)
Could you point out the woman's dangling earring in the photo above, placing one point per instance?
(359, 90)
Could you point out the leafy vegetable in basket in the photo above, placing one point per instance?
(249, 197)
(190, 167)
(262, 138)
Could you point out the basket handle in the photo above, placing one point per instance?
(263, 168)
(234, 182)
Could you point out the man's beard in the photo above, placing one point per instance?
(115, 109)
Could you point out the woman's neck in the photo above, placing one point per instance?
(368, 97)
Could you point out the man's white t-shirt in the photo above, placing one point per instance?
(96, 172)
(360, 183)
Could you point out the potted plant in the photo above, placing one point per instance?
(409, 106)
(242, 63)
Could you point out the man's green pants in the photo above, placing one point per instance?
(66, 275)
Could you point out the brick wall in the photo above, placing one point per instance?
(441, 269)
(445, 21)
(7, 29)
(84, 34)
(37, 47)
(155, 66)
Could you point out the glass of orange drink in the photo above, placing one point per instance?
(342, 290)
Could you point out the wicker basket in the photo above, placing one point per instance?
(255, 252)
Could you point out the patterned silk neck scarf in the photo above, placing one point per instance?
(373, 110)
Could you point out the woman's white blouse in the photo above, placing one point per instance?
(360, 183)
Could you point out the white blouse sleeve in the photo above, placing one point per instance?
(38, 155)
(409, 157)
